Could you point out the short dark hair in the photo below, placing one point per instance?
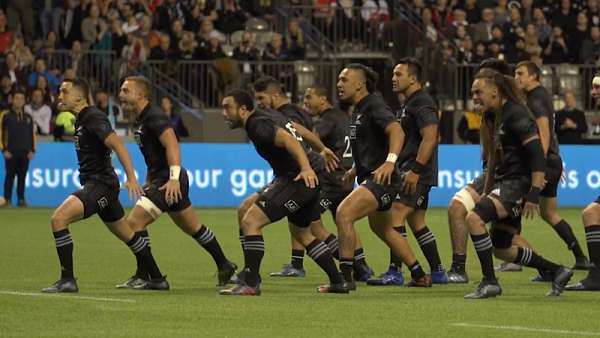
(264, 82)
(414, 67)
(320, 90)
(142, 82)
(82, 85)
(496, 64)
(19, 90)
(532, 68)
(371, 77)
(242, 98)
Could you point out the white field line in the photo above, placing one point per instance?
(98, 299)
(527, 329)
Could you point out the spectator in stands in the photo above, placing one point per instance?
(465, 51)
(441, 14)
(105, 103)
(41, 84)
(50, 15)
(482, 31)
(207, 31)
(275, 50)
(150, 37)
(430, 31)
(577, 37)
(246, 51)
(22, 52)
(69, 74)
(187, 49)
(590, 49)
(90, 26)
(460, 20)
(131, 25)
(500, 13)
(213, 50)
(497, 45)
(593, 12)
(5, 90)
(512, 25)
(118, 37)
(472, 11)
(468, 127)
(542, 27)
(527, 10)
(163, 51)
(70, 26)
(133, 55)
(18, 146)
(260, 8)
(518, 52)
(480, 53)
(202, 10)
(41, 71)
(532, 44)
(20, 15)
(176, 33)
(294, 41)
(570, 124)
(167, 12)
(231, 17)
(104, 39)
(49, 45)
(565, 17)
(75, 58)
(5, 34)
(176, 121)
(11, 68)
(40, 111)
(557, 50)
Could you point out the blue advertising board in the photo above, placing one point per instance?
(221, 175)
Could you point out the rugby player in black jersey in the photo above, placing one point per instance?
(94, 141)
(332, 127)
(540, 103)
(167, 187)
(293, 193)
(418, 165)
(514, 179)
(591, 224)
(376, 139)
(464, 200)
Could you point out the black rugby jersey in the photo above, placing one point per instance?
(333, 127)
(150, 124)
(539, 102)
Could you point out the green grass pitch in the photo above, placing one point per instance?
(287, 308)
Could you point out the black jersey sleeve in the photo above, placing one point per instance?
(157, 124)
(538, 108)
(523, 126)
(324, 127)
(426, 116)
(382, 116)
(99, 125)
(262, 131)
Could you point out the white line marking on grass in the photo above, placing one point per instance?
(528, 329)
(99, 299)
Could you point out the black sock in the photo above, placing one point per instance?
(347, 265)
(459, 262)
(359, 256)
(416, 271)
(298, 259)
(483, 247)
(206, 238)
(428, 245)
(254, 250)
(320, 253)
(334, 246)
(564, 230)
(526, 256)
(242, 238)
(140, 271)
(395, 261)
(592, 236)
(141, 250)
(64, 248)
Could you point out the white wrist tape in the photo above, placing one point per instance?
(174, 171)
(391, 158)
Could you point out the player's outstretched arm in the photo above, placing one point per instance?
(172, 187)
(284, 140)
(113, 142)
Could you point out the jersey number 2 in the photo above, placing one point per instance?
(348, 150)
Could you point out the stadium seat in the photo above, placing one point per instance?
(236, 38)
(257, 25)
(547, 78)
(261, 39)
(228, 49)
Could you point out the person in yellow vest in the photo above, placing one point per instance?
(468, 127)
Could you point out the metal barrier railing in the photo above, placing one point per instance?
(210, 80)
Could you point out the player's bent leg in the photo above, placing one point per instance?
(187, 221)
(69, 211)
(242, 209)
(591, 223)
(462, 202)
(254, 249)
(382, 224)
(428, 245)
(319, 252)
(295, 268)
(358, 204)
(549, 213)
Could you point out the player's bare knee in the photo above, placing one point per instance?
(58, 222)
(473, 220)
(502, 253)
(456, 209)
(591, 215)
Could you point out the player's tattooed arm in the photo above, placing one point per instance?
(285, 140)
(172, 188)
(113, 142)
(395, 135)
